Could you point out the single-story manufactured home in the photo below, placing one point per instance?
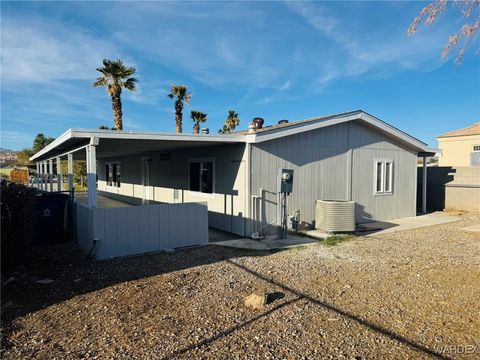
(348, 156)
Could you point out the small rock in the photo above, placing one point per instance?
(256, 300)
(44, 281)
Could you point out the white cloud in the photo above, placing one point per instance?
(37, 50)
(365, 52)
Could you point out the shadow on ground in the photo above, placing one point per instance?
(73, 275)
(425, 351)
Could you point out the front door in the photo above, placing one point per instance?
(147, 189)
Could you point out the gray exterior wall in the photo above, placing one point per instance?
(334, 163)
(169, 182)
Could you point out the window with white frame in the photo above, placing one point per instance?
(383, 176)
(201, 176)
(113, 174)
(476, 148)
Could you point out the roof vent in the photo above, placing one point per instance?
(251, 128)
(258, 121)
(205, 131)
(283, 121)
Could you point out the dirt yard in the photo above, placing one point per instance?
(412, 294)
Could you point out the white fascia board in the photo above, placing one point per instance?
(61, 139)
(394, 131)
(109, 134)
(114, 134)
(295, 129)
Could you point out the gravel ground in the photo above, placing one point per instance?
(410, 294)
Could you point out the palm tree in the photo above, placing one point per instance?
(180, 92)
(116, 76)
(197, 117)
(231, 122)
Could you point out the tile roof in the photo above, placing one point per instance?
(471, 130)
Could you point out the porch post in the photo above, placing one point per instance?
(37, 178)
(424, 186)
(50, 174)
(42, 175)
(45, 176)
(92, 173)
(59, 175)
(70, 171)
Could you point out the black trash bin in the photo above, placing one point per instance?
(51, 218)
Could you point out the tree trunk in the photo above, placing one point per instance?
(196, 128)
(178, 116)
(117, 110)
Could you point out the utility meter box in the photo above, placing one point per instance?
(285, 181)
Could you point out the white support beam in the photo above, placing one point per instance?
(70, 171)
(424, 185)
(91, 175)
(37, 182)
(50, 174)
(59, 174)
(44, 176)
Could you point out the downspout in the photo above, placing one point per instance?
(248, 224)
(349, 166)
(424, 185)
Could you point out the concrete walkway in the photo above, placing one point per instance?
(370, 229)
(385, 227)
(473, 228)
(102, 201)
(267, 244)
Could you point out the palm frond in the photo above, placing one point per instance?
(101, 81)
(198, 116)
(130, 84)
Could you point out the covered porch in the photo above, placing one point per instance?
(125, 211)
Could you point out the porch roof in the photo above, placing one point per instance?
(117, 143)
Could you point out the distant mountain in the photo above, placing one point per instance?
(5, 150)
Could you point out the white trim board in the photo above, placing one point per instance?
(261, 136)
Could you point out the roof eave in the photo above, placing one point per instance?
(59, 140)
(110, 134)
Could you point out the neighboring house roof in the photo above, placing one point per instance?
(471, 130)
(148, 141)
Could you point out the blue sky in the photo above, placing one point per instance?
(277, 60)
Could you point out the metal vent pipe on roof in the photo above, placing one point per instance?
(205, 131)
(258, 121)
(283, 121)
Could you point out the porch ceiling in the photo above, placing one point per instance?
(118, 147)
(113, 143)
